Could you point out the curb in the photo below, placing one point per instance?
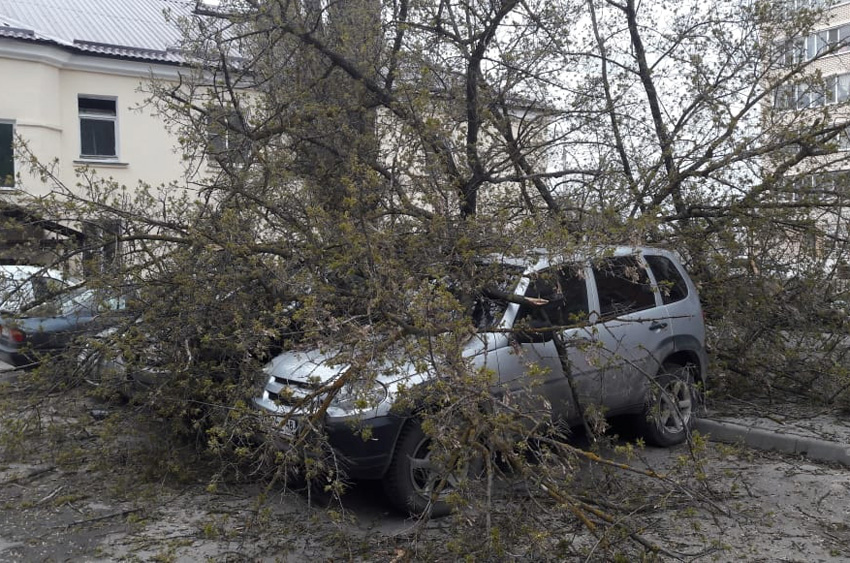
(812, 448)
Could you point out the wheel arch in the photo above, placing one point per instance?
(690, 357)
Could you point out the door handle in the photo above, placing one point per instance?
(657, 326)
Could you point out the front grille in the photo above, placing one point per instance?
(288, 392)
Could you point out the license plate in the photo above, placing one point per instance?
(289, 428)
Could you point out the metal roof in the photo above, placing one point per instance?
(137, 29)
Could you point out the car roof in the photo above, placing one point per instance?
(540, 259)
(20, 272)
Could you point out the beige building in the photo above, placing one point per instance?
(827, 52)
(71, 73)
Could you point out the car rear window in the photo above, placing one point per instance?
(63, 304)
(671, 284)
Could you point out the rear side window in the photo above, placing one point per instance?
(671, 284)
(623, 286)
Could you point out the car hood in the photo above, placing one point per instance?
(309, 366)
(318, 367)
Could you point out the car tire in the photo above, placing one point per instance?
(670, 406)
(100, 372)
(411, 477)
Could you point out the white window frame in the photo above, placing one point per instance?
(12, 123)
(99, 117)
(844, 139)
(800, 96)
(224, 143)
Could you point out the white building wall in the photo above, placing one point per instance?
(39, 89)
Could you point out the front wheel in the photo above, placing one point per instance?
(103, 370)
(670, 408)
(416, 482)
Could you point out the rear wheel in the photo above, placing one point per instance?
(416, 482)
(670, 409)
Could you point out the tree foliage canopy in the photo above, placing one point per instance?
(350, 153)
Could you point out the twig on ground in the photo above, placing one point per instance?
(99, 518)
(37, 472)
(51, 495)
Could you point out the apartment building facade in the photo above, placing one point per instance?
(73, 74)
(826, 51)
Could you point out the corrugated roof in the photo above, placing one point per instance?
(135, 29)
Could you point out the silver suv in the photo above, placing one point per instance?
(629, 324)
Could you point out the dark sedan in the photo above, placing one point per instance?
(50, 327)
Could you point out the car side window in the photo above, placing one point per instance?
(623, 286)
(573, 287)
(671, 284)
(566, 291)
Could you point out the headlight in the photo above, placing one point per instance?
(359, 396)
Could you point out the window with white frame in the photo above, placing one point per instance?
(839, 36)
(836, 89)
(844, 139)
(799, 49)
(7, 154)
(98, 127)
(822, 185)
(793, 5)
(226, 142)
(801, 96)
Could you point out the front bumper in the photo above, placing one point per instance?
(365, 446)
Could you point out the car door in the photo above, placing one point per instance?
(679, 297)
(532, 368)
(633, 330)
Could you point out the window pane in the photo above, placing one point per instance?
(815, 98)
(566, 292)
(96, 106)
(789, 51)
(670, 282)
(844, 37)
(795, 51)
(623, 286)
(785, 96)
(844, 139)
(822, 42)
(97, 137)
(843, 91)
(228, 142)
(574, 290)
(7, 155)
(803, 99)
(829, 85)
